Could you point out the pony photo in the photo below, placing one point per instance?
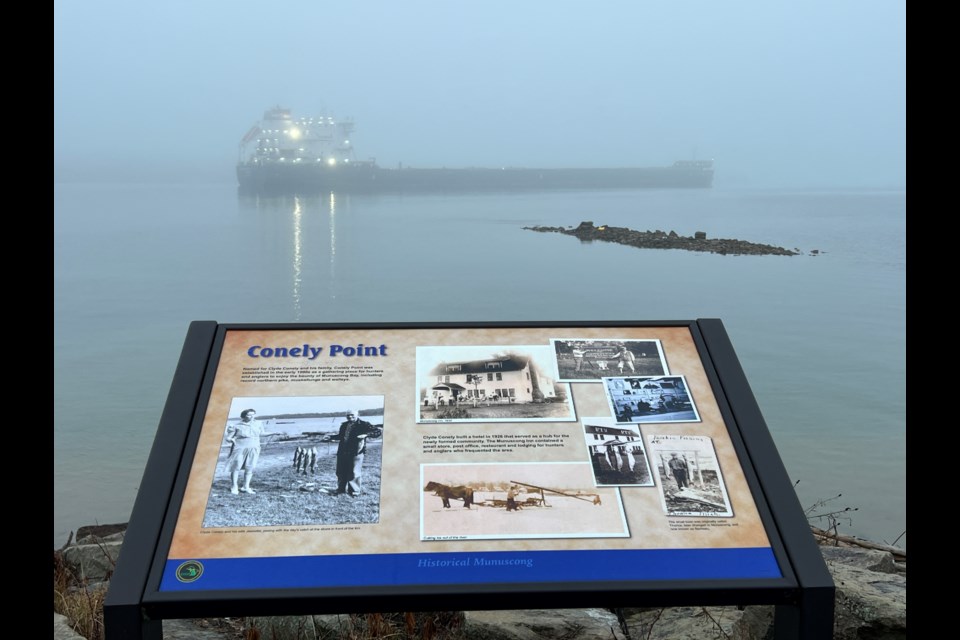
(446, 493)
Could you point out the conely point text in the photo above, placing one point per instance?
(311, 353)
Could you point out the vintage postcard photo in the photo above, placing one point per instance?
(589, 359)
(690, 480)
(490, 384)
(517, 500)
(302, 460)
(651, 399)
(617, 453)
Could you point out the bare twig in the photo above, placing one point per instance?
(653, 623)
(715, 622)
(624, 627)
(833, 518)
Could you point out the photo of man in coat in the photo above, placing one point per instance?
(353, 444)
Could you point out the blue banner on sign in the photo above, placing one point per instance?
(398, 569)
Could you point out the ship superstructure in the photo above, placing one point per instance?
(281, 138)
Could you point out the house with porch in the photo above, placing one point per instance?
(509, 378)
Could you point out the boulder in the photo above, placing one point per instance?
(62, 629)
(869, 604)
(536, 624)
(93, 557)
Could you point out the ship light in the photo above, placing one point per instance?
(332, 161)
(294, 133)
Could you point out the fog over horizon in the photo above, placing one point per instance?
(806, 95)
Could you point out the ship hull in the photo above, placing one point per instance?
(292, 178)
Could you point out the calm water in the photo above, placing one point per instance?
(822, 339)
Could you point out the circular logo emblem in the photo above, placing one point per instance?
(189, 571)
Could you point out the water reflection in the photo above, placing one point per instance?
(297, 256)
(333, 246)
(298, 235)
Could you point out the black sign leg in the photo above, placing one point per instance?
(786, 622)
(126, 622)
(810, 620)
(123, 617)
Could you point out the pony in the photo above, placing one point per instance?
(445, 493)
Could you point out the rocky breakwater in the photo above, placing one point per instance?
(587, 232)
(871, 602)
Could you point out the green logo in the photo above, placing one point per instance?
(189, 571)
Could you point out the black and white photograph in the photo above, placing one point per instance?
(590, 360)
(490, 384)
(310, 460)
(650, 399)
(517, 500)
(689, 476)
(617, 453)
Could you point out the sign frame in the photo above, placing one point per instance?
(136, 605)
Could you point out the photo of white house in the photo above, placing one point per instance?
(490, 384)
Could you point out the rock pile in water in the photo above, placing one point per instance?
(587, 232)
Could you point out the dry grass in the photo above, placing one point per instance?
(80, 602)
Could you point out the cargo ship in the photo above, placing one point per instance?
(285, 155)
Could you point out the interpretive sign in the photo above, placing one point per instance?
(335, 468)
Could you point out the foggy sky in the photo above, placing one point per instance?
(809, 94)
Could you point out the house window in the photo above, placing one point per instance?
(528, 375)
(494, 365)
(499, 376)
(513, 393)
(453, 367)
(489, 376)
(446, 378)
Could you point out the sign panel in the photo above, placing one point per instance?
(387, 457)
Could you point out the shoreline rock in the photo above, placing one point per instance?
(587, 232)
(871, 601)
